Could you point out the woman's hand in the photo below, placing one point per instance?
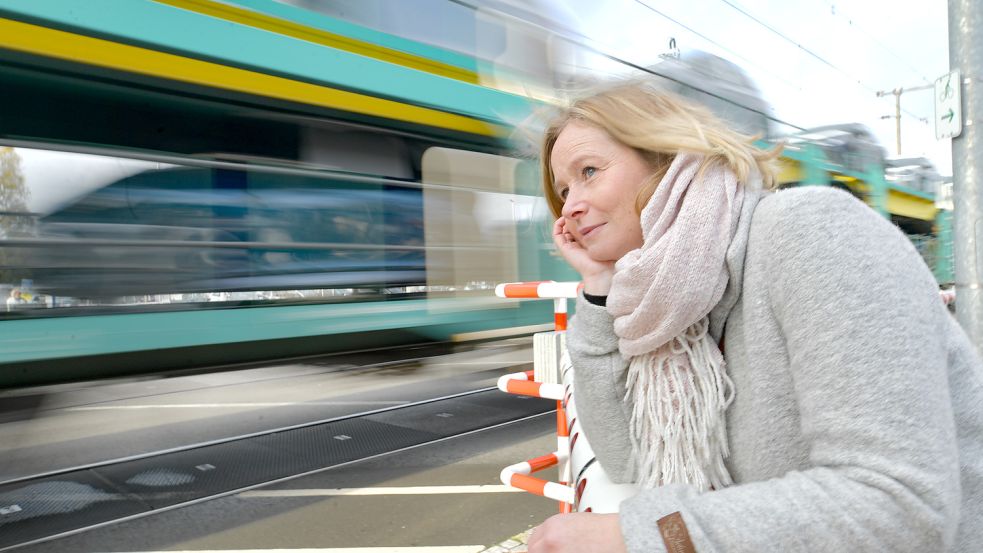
(578, 533)
(595, 274)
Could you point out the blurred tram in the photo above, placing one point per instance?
(227, 181)
(908, 192)
(194, 182)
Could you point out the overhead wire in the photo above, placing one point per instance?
(581, 42)
(779, 33)
(717, 44)
(649, 70)
(813, 54)
(849, 20)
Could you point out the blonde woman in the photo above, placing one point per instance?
(775, 370)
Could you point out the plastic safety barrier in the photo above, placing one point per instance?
(583, 485)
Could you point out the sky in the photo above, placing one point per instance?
(817, 62)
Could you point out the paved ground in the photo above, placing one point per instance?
(515, 544)
(410, 500)
(444, 496)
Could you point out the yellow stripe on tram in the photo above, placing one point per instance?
(324, 38)
(33, 39)
(908, 205)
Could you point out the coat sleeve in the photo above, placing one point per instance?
(863, 324)
(599, 387)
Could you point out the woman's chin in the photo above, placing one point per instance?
(601, 256)
(608, 255)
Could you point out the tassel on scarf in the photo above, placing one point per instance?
(678, 395)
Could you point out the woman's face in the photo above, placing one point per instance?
(599, 180)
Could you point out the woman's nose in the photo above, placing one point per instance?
(574, 206)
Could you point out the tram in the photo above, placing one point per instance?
(905, 191)
(225, 181)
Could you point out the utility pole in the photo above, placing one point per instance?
(897, 108)
(966, 55)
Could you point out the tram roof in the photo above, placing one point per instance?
(211, 49)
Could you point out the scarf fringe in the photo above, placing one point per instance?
(679, 394)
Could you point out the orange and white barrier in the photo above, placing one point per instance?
(522, 384)
(517, 476)
(559, 292)
(545, 289)
(552, 378)
(594, 491)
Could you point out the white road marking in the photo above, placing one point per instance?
(504, 363)
(421, 549)
(230, 405)
(501, 332)
(406, 490)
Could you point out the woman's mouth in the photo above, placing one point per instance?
(587, 231)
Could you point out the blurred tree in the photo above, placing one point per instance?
(15, 219)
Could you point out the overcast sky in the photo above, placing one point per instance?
(817, 62)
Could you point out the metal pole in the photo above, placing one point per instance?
(897, 108)
(897, 118)
(966, 54)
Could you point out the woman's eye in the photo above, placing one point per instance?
(563, 193)
(589, 172)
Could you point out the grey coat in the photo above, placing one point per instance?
(857, 423)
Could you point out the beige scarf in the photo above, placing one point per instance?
(661, 296)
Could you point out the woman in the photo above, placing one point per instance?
(775, 370)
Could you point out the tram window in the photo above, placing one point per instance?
(357, 152)
(471, 217)
(119, 234)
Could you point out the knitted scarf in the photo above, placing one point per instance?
(660, 298)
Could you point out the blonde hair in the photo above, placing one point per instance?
(658, 125)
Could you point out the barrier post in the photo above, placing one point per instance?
(552, 378)
(549, 386)
(562, 428)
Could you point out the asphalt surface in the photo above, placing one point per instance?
(434, 518)
(441, 496)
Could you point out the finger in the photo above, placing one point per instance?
(559, 241)
(559, 226)
(560, 235)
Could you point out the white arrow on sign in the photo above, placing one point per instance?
(948, 106)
